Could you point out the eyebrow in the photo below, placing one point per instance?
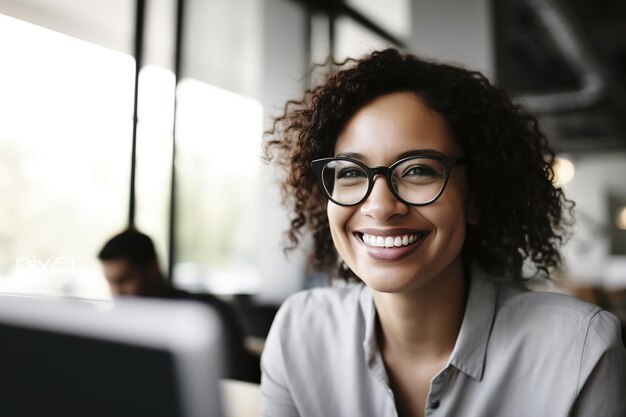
(415, 152)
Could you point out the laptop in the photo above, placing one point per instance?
(131, 357)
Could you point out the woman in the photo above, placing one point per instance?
(431, 191)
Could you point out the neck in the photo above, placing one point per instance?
(423, 323)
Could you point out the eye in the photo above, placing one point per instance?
(351, 172)
(421, 171)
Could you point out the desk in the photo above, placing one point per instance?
(240, 399)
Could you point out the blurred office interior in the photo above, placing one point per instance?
(75, 169)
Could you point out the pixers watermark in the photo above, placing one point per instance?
(54, 265)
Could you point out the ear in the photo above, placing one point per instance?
(473, 215)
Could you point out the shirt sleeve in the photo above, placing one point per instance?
(276, 399)
(602, 382)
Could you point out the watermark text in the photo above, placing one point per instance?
(54, 265)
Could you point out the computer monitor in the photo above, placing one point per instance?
(132, 357)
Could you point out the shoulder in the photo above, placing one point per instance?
(323, 316)
(314, 321)
(526, 305)
(553, 320)
(320, 305)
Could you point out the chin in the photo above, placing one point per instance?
(385, 280)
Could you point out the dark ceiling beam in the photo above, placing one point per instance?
(338, 8)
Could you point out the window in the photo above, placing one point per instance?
(154, 156)
(218, 162)
(64, 158)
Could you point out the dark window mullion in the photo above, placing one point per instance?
(171, 258)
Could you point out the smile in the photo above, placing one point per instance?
(392, 241)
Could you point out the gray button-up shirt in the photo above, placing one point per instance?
(518, 353)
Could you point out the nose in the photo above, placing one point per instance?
(382, 204)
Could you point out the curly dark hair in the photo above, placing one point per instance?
(524, 217)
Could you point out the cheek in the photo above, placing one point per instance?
(449, 214)
(334, 219)
(456, 197)
(338, 218)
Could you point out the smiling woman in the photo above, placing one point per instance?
(402, 169)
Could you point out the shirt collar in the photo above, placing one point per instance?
(470, 348)
(370, 345)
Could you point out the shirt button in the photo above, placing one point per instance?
(434, 405)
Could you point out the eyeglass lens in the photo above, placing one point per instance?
(416, 180)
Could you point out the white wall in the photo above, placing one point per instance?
(284, 65)
(456, 31)
(587, 253)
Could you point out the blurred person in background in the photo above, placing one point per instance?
(131, 268)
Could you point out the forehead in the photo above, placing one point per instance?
(394, 124)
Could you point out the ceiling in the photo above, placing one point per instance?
(566, 61)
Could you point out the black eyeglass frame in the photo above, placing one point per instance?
(448, 163)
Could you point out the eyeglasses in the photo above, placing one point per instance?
(416, 180)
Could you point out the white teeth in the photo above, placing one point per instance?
(389, 241)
